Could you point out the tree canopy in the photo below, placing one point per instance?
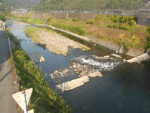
(89, 4)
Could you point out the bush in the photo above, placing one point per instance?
(2, 17)
(49, 19)
(148, 30)
(113, 26)
(89, 22)
(100, 36)
(132, 22)
(116, 26)
(147, 44)
(75, 20)
(124, 27)
(126, 44)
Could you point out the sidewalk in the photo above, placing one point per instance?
(7, 88)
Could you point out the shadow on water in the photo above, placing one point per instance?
(123, 90)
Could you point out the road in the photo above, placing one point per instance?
(7, 88)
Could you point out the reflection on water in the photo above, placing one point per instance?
(122, 89)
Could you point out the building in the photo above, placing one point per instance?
(144, 14)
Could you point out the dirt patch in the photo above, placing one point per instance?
(56, 43)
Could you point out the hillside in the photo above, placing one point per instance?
(88, 4)
(20, 3)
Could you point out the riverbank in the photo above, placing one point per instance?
(43, 99)
(53, 41)
(99, 42)
(116, 33)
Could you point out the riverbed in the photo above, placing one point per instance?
(123, 88)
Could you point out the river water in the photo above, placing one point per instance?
(124, 88)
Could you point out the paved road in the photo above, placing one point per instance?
(7, 104)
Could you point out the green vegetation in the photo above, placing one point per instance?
(121, 30)
(124, 27)
(147, 44)
(124, 30)
(4, 10)
(44, 99)
(80, 5)
(2, 17)
(29, 20)
(75, 29)
(26, 19)
(116, 21)
(19, 3)
(30, 32)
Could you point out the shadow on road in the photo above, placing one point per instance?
(2, 78)
(4, 48)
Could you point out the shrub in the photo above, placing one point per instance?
(100, 36)
(2, 17)
(89, 22)
(132, 22)
(148, 30)
(75, 20)
(49, 19)
(116, 26)
(126, 44)
(124, 27)
(147, 44)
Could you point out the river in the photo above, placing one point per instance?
(124, 88)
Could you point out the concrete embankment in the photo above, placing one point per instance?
(73, 83)
(140, 58)
(69, 85)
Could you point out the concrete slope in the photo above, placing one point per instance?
(140, 58)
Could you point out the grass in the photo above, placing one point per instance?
(44, 99)
(105, 27)
(26, 19)
(30, 33)
(75, 29)
(2, 17)
(30, 20)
